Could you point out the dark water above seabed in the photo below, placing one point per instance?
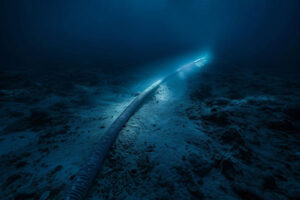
(130, 34)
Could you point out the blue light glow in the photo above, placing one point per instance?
(201, 61)
(198, 63)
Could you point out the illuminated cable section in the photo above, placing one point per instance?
(85, 177)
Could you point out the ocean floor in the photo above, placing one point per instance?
(219, 133)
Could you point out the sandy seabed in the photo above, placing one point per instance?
(218, 134)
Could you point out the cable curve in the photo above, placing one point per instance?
(85, 177)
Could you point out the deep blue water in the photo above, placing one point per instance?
(131, 33)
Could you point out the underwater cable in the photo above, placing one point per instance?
(85, 177)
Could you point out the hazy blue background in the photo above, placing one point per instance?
(131, 33)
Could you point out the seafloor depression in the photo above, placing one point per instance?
(221, 133)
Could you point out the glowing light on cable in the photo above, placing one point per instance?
(200, 62)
